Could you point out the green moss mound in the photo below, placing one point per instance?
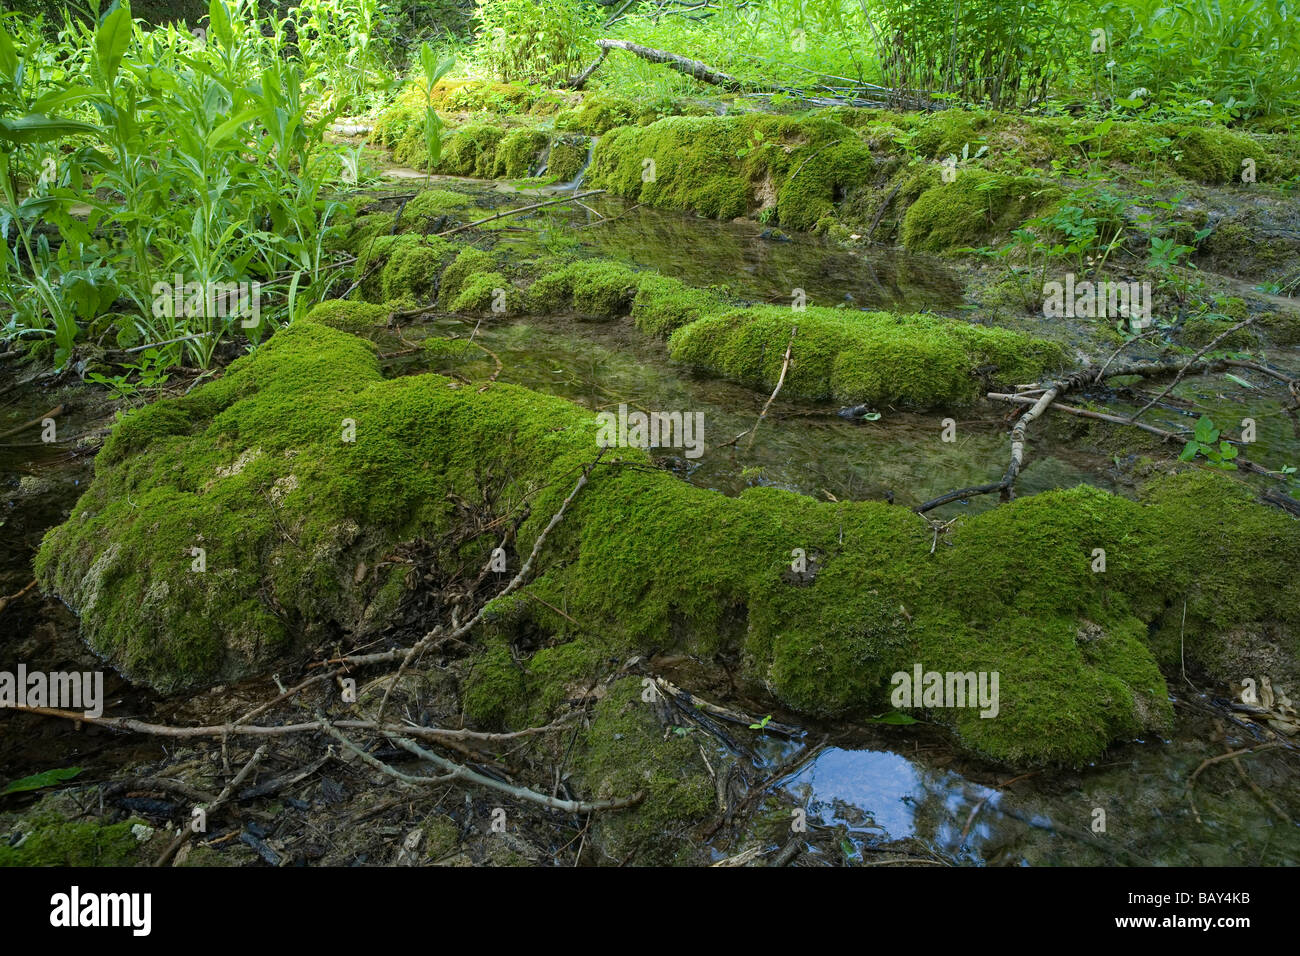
(519, 153)
(976, 207)
(626, 751)
(303, 464)
(723, 167)
(51, 840)
(567, 157)
(851, 357)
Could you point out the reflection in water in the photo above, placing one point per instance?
(888, 786)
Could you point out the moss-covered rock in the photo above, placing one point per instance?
(519, 153)
(567, 158)
(627, 751)
(401, 267)
(851, 356)
(975, 207)
(262, 470)
(723, 167)
(597, 287)
(46, 838)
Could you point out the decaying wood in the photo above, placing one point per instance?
(693, 68)
(516, 211)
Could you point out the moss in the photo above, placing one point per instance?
(562, 673)
(598, 287)
(496, 688)
(471, 150)
(1282, 326)
(487, 292)
(519, 153)
(567, 157)
(359, 318)
(1225, 558)
(441, 836)
(723, 167)
(409, 270)
(853, 357)
(626, 751)
(663, 304)
(252, 467)
(458, 276)
(366, 229)
(1198, 330)
(53, 841)
(1202, 154)
(977, 207)
(429, 204)
(597, 114)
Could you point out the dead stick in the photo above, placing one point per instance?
(513, 212)
(1018, 440)
(131, 725)
(5, 601)
(222, 797)
(785, 365)
(54, 412)
(523, 793)
(1190, 362)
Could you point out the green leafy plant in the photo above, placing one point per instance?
(434, 70)
(1205, 441)
(38, 781)
(762, 724)
(534, 42)
(198, 154)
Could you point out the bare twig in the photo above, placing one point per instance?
(514, 212)
(1191, 362)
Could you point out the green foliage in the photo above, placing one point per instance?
(206, 164)
(434, 70)
(534, 41)
(1241, 55)
(1205, 441)
(38, 781)
(1000, 52)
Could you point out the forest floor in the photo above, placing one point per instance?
(834, 293)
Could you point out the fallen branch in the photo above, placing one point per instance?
(6, 601)
(54, 412)
(183, 837)
(693, 68)
(514, 212)
(456, 771)
(579, 81)
(440, 734)
(726, 713)
(1018, 440)
(785, 366)
(1190, 362)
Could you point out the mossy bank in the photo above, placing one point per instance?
(297, 476)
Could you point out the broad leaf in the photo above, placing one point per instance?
(36, 128)
(111, 40)
(39, 780)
